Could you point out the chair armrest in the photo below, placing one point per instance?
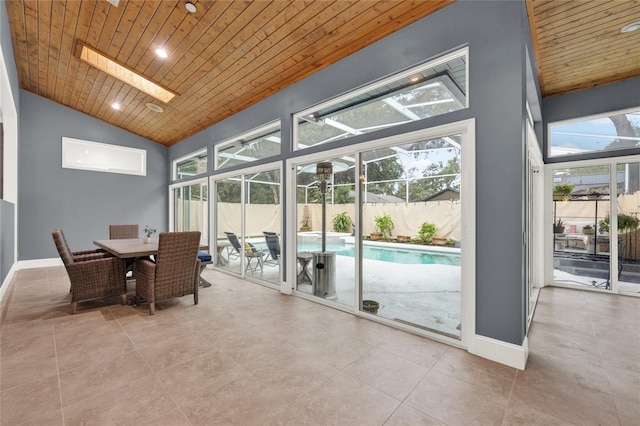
(94, 273)
(145, 278)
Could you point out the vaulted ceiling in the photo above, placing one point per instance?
(229, 55)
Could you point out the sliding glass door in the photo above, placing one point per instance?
(248, 224)
(595, 213)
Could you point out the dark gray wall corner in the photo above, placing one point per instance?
(83, 203)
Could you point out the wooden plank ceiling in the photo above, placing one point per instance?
(223, 58)
(231, 54)
(578, 43)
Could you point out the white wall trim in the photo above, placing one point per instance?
(39, 263)
(7, 281)
(496, 350)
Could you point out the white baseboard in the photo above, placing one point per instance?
(505, 353)
(7, 282)
(39, 263)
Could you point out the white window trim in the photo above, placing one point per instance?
(172, 201)
(468, 232)
(117, 150)
(266, 128)
(580, 119)
(174, 174)
(464, 52)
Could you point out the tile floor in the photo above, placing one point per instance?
(248, 355)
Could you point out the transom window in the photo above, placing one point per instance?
(604, 132)
(434, 88)
(249, 147)
(192, 165)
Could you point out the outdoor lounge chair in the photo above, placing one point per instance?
(175, 273)
(250, 252)
(91, 277)
(273, 243)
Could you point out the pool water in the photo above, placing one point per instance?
(388, 254)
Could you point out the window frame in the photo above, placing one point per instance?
(248, 136)
(195, 154)
(458, 53)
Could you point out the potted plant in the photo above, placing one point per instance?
(384, 225)
(588, 230)
(148, 232)
(561, 192)
(426, 232)
(558, 226)
(439, 241)
(341, 222)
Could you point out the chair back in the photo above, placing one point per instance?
(62, 246)
(273, 243)
(233, 239)
(176, 263)
(121, 232)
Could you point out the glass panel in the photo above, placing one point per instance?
(426, 91)
(581, 206)
(249, 148)
(191, 166)
(327, 273)
(411, 214)
(604, 133)
(190, 209)
(262, 225)
(229, 223)
(628, 222)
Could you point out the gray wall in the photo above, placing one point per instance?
(83, 203)
(597, 100)
(496, 33)
(7, 209)
(7, 253)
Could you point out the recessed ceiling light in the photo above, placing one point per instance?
(162, 53)
(631, 27)
(414, 79)
(115, 105)
(154, 107)
(190, 7)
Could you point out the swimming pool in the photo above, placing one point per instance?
(395, 253)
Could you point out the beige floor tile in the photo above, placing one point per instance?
(416, 349)
(135, 402)
(16, 371)
(94, 349)
(628, 412)
(522, 415)
(567, 401)
(455, 402)
(343, 400)
(82, 383)
(51, 418)
(625, 384)
(408, 416)
(387, 372)
(174, 417)
(174, 350)
(198, 378)
(30, 401)
(477, 371)
(242, 402)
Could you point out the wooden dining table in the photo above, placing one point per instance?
(128, 248)
(136, 247)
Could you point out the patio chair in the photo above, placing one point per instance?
(175, 273)
(250, 252)
(84, 254)
(91, 277)
(120, 232)
(273, 243)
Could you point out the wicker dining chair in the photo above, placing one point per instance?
(84, 254)
(120, 232)
(123, 232)
(175, 273)
(91, 278)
